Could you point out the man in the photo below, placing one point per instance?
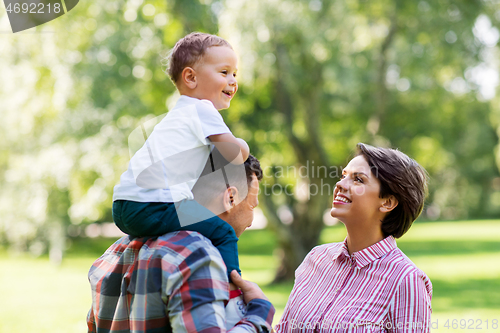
(177, 282)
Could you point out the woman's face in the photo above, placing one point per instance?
(356, 195)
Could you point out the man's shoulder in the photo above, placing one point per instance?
(170, 251)
(178, 241)
(181, 245)
(184, 238)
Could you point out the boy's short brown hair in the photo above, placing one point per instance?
(189, 50)
(402, 177)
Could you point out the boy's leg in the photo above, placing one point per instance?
(156, 218)
(195, 217)
(145, 218)
(116, 211)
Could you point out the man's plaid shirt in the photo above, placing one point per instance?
(172, 283)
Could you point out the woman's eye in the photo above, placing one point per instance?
(359, 179)
(224, 72)
(342, 177)
(234, 74)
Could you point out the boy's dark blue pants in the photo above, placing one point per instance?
(157, 218)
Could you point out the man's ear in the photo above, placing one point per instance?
(230, 198)
(188, 77)
(388, 204)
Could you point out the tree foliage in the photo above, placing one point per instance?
(316, 77)
(327, 74)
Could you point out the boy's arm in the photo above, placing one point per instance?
(234, 150)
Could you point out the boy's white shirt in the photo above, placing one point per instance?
(168, 165)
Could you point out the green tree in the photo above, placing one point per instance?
(73, 92)
(316, 78)
(324, 75)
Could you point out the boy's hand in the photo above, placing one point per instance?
(250, 290)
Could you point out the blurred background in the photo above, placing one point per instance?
(316, 77)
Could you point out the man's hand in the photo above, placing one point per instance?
(250, 290)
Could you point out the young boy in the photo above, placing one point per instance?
(154, 195)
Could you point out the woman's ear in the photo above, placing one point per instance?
(388, 204)
(230, 198)
(188, 77)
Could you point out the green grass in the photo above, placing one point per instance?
(461, 258)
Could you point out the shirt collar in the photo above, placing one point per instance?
(187, 100)
(369, 254)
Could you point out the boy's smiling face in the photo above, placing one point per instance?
(215, 76)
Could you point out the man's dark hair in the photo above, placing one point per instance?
(212, 182)
(189, 50)
(402, 177)
(252, 167)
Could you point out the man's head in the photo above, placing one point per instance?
(234, 203)
(401, 177)
(204, 66)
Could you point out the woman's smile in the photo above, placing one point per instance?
(341, 199)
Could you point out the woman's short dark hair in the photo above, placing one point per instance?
(402, 177)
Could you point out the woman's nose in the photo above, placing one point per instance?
(342, 185)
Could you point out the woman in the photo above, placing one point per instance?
(366, 284)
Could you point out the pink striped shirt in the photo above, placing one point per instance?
(377, 289)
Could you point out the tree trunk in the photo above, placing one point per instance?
(305, 231)
(302, 234)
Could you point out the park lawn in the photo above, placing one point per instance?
(461, 258)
